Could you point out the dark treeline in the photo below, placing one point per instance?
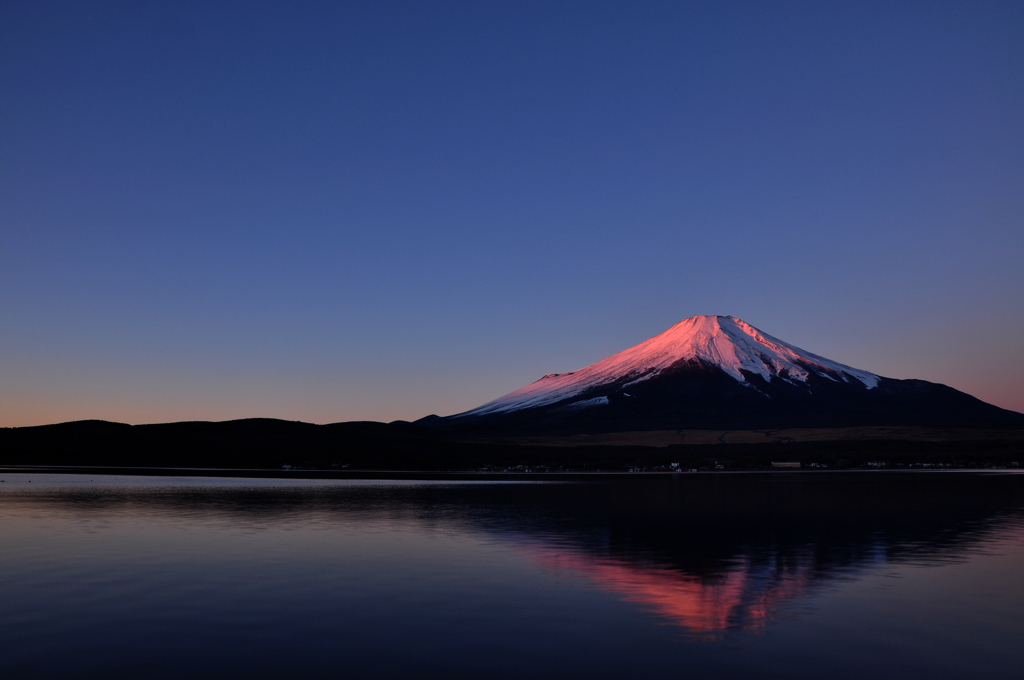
(269, 443)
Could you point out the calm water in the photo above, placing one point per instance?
(871, 575)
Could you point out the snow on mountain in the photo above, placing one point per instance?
(732, 345)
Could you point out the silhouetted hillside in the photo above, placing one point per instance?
(269, 443)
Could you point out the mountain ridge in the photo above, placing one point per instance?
(722, 372)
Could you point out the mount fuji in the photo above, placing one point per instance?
(711, 372)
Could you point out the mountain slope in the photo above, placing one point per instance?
(721, 372)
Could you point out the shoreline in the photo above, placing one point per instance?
(457, 475)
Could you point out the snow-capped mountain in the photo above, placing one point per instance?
(719, 371)
(730, 344)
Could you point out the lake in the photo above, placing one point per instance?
(771, 575)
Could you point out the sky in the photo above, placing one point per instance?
(378, 211)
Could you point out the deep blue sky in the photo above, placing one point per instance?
(335, 211)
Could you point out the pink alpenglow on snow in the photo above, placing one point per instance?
(731, 344)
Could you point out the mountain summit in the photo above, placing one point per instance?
(721, 372)
(724, 342)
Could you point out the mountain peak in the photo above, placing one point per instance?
(735, 346)
(723, 342)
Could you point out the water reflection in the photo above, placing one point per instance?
(709, 554)
(713, 555)
(746, 597)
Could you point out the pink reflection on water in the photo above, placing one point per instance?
(744, 597)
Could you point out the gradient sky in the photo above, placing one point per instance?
(337, 211)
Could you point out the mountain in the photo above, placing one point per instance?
(719, 372)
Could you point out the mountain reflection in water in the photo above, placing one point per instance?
(709, 553)
(746, 597)
(712, 555)
(531, 579)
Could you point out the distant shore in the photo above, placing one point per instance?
(462, 475)
(268, 447)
